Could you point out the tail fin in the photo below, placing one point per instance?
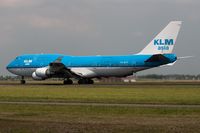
(164, 42)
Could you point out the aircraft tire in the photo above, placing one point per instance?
(23, 82)
(85, 81)
(90, 81)
(68, 82)
(81, 81)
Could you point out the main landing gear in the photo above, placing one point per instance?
(22, 81)
(85, 81)
(81, 81)
(67, 82)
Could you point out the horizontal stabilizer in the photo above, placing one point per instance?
(178, 58)
(184, 57)
(157, 58)
(169, 64)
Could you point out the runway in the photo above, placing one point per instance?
(104, 104)
(59, 83)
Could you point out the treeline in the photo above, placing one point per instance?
(9, 77)
(170, 77)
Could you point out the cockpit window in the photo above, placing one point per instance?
(17, 58)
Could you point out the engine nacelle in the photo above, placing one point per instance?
(42, 72)
(35, 77)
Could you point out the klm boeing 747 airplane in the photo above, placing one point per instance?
(84, 68)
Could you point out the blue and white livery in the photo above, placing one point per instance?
(84, 68)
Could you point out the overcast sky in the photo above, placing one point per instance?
(97, 27)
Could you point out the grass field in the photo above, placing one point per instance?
(20, 118)
(157, 93)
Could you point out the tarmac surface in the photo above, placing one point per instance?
(101, 84)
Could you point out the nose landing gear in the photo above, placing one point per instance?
(22, 81)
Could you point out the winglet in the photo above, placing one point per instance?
(59, 59)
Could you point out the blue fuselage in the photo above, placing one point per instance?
(134, 63)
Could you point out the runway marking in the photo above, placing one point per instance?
(104, 104)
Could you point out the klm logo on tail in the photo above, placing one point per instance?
(163, 44)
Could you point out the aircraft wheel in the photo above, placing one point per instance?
(85, 81)
(81, 81)
(90, 81)
(68, 82)
(23, 82)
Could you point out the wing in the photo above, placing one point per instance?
(58, 69)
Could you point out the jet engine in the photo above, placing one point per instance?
(41, 73)
(35, 77)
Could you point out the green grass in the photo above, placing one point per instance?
(48, 118)
(163, 94)
(24, 118)
(97, 111)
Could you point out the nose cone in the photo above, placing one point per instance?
(10, 66)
